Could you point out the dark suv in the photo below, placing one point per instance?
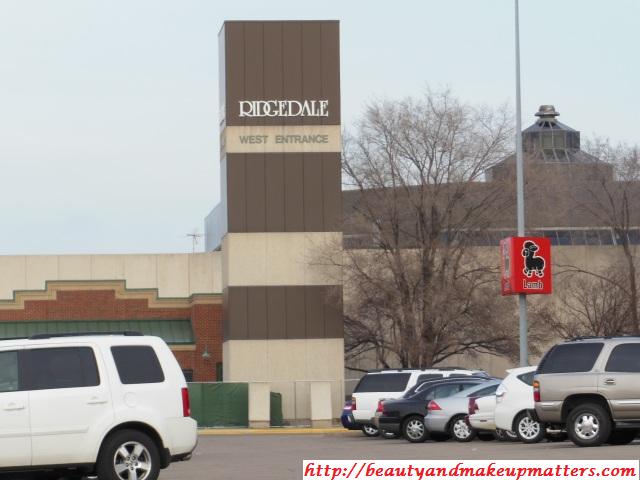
(591, 385)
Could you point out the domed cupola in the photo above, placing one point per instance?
(548, 140)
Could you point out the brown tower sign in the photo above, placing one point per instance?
(281, 202)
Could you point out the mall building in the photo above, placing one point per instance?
(255, 306)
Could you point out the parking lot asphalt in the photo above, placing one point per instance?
(280, 457)
(256, 456)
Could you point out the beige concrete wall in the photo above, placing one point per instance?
(290, 366)
(259, 405)
(174, 275)
(293, 258)
(321, 411)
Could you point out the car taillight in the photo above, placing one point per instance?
(433, 406)
(353, 403)
(186, 405)
(473, 406)
(380, 408)
(536, 391)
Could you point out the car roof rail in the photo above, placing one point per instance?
(585, 337)
(450, 368)
(380, 370)
(44, 336)
(603, 337)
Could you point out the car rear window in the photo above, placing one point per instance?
(527, 378)
(383, 382)
(485, 391)
(137, 364)
(571, 358)
(624, 358)
(429, 376)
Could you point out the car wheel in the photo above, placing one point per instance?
(622, 437)
(527, 429)
(128, 455)
(589, 425)
(460, 430)
(413, 429)
(370, 430)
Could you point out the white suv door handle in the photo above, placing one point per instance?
(610, 381)
(96, 401)
(13, 406)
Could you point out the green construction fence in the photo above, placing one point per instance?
(227, 405)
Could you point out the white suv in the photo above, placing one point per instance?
(391, 384)
(112, 405)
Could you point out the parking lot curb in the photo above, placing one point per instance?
(271, 431)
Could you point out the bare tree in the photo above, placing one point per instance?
(589, 304)
(417, 294)
(615, 201)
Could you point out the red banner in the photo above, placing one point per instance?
(525, 265)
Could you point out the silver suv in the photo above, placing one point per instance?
(591, 386)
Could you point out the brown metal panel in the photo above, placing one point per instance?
(311, 66)
(235, 70)
(333, 319)
(236, 198)
(331, 70)
(296, 323)
(237, 309)
(293, 192)
(254, 66)
(255, 192)
(274, 195)
(257, 312)
(313, 211)
(292, 65)
(222, 80)
(276, 312)
(273, 66)
(314, 311)
(331, 191)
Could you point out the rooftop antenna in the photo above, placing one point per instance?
(195, 235)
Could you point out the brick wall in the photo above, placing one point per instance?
(206, 320)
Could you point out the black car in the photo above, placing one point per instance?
(405, 416)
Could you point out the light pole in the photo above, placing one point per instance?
(522, 298)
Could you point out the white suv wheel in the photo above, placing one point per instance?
(128, 455)
(528, 428)
(132, 461)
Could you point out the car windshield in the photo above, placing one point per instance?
(419, 388)
(486, 388)
(443, 389)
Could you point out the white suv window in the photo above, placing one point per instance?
(9, 380)
(383, 382)
(62, 367)
(137, 364)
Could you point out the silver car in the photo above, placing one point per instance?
(447, 415)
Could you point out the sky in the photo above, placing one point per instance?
(109, 109)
